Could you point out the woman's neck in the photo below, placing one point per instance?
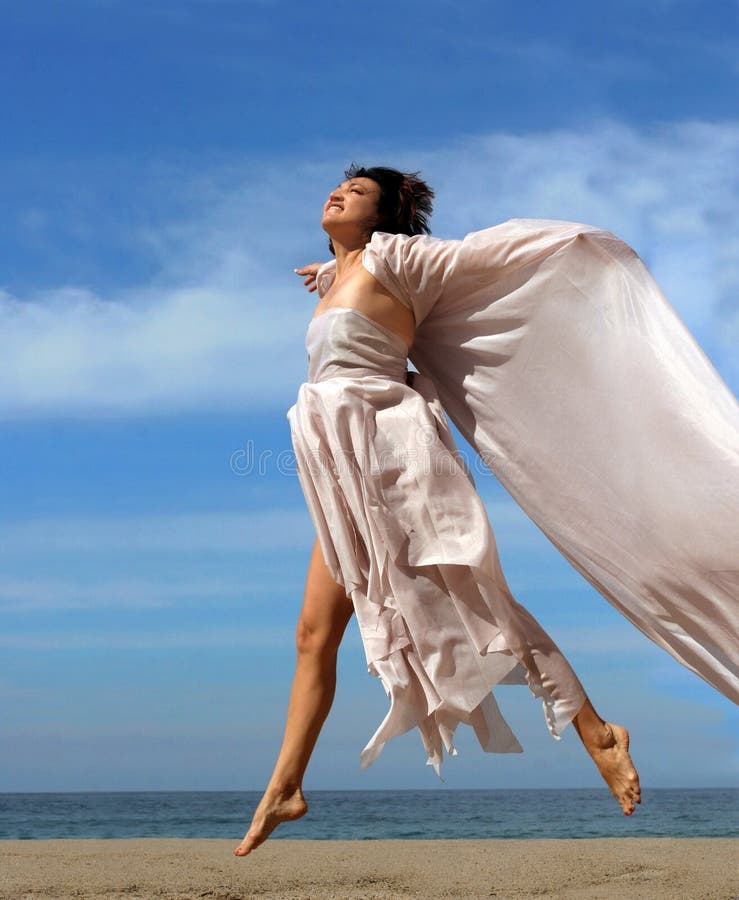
(347, 258)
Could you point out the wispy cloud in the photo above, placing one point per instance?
(270, 530)
(671, 192)
(41, 594)
(241, 635)
(186, 348)
(588, 641)
(221, 326)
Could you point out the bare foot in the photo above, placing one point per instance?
(610, 753)
(274, 807)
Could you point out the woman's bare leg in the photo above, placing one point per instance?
(323, 618)
(608, 745)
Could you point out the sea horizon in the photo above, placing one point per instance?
(427, 790)
(355, 814)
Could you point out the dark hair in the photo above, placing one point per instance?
(405, 203)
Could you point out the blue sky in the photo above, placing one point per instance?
(163, 166)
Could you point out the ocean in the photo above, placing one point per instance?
(369, 815)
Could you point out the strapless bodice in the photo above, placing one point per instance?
(344, 342)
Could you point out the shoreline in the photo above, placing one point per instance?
(287, 869)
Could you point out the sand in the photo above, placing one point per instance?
(655, 868)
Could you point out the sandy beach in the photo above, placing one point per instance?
(140, 869)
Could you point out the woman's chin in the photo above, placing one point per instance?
(330, 223)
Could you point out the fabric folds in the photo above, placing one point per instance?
(404, 531)
(556, 355)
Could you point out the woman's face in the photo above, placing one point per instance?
(351, 207)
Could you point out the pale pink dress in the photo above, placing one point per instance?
(404, 531)
(557, 356)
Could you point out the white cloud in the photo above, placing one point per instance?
(175, 639)
(601, 642)
(222, 326)
(41, 594)
(588, 641)
(270, 530)
(186, 348)
(668, 191)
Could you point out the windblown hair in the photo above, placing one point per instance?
(405, 203)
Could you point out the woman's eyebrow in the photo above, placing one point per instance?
(351, 184)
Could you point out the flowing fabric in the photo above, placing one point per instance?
(404, 531)
(558, 358)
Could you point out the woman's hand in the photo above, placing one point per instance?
(310, 271)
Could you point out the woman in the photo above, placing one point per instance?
(559, 359)
(402, 536)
